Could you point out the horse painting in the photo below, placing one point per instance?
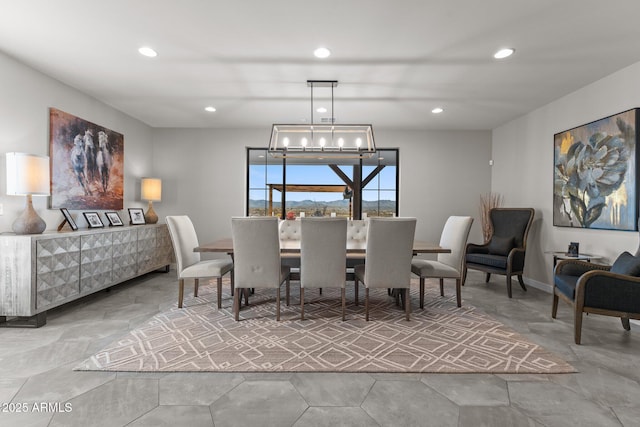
(79, 163)
(90, 152)
(103, 160)
(87, 164)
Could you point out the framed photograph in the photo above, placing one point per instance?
(137, 216)
(68, 219)
(87, 163)
(114, 218)
(595, 174)
(93, 219)
(574, 249)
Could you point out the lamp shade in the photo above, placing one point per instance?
(28, 174)
(151, 189)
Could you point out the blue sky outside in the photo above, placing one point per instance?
(260, 175)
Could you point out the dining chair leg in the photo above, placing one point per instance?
(232, 285)
(320, 289)
(287, 287)
(301, 303)
(422, 293)
(245, 291)
(366, 304)
(196, 284)
(344, 304)
(355, 290)
(464, 274)
(441, 287)
(180, 292)
(278, 304)
(459, 292)
(219, 292)
(236, 305)
(407, 304)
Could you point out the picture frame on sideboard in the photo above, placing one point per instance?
(136, 216)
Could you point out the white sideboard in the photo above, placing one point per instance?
(42, 271)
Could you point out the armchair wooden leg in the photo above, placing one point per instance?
(422, 293)
(366, 304)
(625, 323)
(246, 291)
(508, 285)
(577, 325)
(554, 305)
(459, 292)
(196, 284)
(236, 305)
(180, 292)
(441, 287)
(524, 288)
(488, 277)
(344, 302)
(407, 304)
(219, 292)
(301, 303)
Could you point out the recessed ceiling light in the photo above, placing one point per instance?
(210, 109)
(437, 110)
(321, 110)
(147, 51)
(322, 52)
(504, 53)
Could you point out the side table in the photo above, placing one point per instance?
(563, 255)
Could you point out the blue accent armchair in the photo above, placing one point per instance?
(599, 289)
(505, 252)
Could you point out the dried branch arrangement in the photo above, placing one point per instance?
(488, 202)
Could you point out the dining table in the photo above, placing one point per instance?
(354, 247)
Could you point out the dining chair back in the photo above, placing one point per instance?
(188, 263)
(448, 265)
(256, 249)
(389, 254)
(323, 253)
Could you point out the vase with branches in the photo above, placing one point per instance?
(487, 202)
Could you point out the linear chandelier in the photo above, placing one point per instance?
(318, 140)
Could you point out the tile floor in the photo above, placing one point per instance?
(36, 370)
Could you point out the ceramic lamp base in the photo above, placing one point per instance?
(151, 217)
(29, 222)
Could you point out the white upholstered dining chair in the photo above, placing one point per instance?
(447, 266)
(388, 261)
(189, 265)
(323, 256)
(256, 256)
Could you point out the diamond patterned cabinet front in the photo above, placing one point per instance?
(125, 264)
(147, 240)
(57, 270)
(96, 262)
(164, 248)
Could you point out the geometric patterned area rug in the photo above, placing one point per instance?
(441, 338)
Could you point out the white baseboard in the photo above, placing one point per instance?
(538, 285)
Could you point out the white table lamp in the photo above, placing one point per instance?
(28, 175)
(151, 190)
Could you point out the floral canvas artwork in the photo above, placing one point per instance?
(595, 180)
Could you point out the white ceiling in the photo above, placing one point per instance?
(395, 60)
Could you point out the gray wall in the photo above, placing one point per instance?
(204, 175)
(523, 169)
(26, 98)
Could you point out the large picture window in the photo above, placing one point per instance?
(350, 188)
